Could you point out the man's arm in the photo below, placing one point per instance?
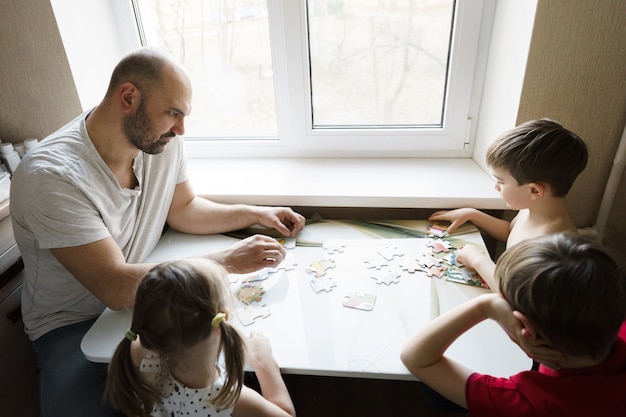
(192, 214)
(102, 269)
(423, 354)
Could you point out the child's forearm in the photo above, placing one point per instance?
(486, 269)
(497, 228)
(423, 354)
(428, 346)
(273, 386)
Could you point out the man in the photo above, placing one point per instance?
(90, 203)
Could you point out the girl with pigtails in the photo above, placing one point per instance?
(167, 363)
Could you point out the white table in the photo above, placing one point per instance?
(314, 334)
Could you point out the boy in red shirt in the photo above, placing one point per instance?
(561, 289)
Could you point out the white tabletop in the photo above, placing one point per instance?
(313, 333)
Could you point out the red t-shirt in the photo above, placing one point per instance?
(595, 391)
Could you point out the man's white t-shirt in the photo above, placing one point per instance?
(64, 195)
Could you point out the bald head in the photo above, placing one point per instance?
(147, 68)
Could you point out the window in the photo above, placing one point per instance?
(325, 77)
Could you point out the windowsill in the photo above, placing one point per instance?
(335, 182)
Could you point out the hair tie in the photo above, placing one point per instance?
(130, 335)
(218, 319)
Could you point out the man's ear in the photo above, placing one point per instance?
(529, 329)
(537, 190)
(129, 96)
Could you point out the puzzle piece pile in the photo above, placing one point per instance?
(250, 291)
(438, 260)
(321, 282)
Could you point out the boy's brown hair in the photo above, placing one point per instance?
(569, 288)
(540, 151)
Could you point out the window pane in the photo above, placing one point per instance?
(379, 63)
(226, 48)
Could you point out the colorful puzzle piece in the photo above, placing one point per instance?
(359, 301)
(437, 229)
(450, 259)
(320, 267)
(465, 276)
(436, 271)
(386, 277)
(323, 284)
(438, 245)
(248, 315)
(287, 242)
(248, 293)
(427, 260)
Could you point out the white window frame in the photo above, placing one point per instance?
(298, 138)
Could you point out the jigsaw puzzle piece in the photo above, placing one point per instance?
(386, 277)
(323, 284)
(287, 264)
(360, 301)
(450, 259)
(438, 245)
(320, 267)
(375, 262)
(248, 315)
(287, 242)
(437, 230)
(248, 292)
(466, 276)
(436, 271)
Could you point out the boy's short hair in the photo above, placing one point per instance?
(569, 288)
(540, 151)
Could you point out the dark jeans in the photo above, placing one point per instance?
(69, 384)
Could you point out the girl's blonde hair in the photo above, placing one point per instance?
(174, 305)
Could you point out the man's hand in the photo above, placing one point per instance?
(252, 254)
(283, 219)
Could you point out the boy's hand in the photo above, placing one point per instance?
(538, 348)
(534, 346)
(471, 256)
(456, 217)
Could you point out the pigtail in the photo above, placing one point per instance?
(234, 349)
(125, 389)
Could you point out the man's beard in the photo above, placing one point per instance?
(137, 130)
